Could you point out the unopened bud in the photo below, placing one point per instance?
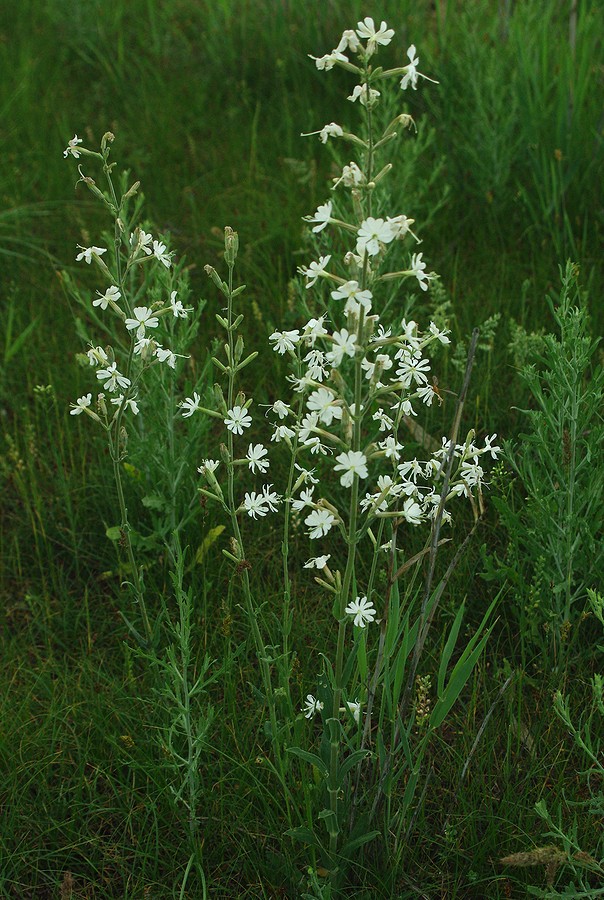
(219, 398)
(239, 348)
(231, 245)
(108, 138)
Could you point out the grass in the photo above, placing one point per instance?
(207, 102)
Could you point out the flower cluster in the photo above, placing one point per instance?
(141, 323)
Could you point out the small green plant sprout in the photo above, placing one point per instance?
(359, 376)
(135, 313)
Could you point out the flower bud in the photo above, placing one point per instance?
(219, 398)
(239, 347)
(224, 453)
(231, 246)
(108, 138)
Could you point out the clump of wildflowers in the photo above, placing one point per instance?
(359, 375)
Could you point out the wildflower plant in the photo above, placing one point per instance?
(141, 310)
(359, 375)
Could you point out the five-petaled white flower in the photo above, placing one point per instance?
(362, 610)
(352, 463)
(321, 217)
(371, 234)
(284, 340)
(255, 458)
(320, 521)
(160, 253)
(311, 706)
(72, 147)
(80, 405)
(411, 75)
(143, 318)
(366, 30)
(177, 307)
(314, 270)
(343, 345)
(88, 252)
(112, 378)
(111, 295)
(237, 419)
(255, 505)
(189, 406)
(130, 402)
(325, 405)
(417, 269)
(208, 466)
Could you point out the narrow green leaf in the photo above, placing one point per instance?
(310, 758)
(355, 843)
(448, 649)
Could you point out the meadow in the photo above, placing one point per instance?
(190, 706)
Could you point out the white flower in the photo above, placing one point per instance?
(72, 148)
(322, 216)
(426, 394)
(114, 378)
(366, 30)
(354, 708)
(311, 706)
(412, 511)
(413, 368)
(313, 330)
(271, 498)
(208, 465)
(237, 419)
(371, 233)
(97, 356)
(141, 240)
(324, 403)
(285, 340)
(352, 463)
(143, 318)
(386, 423)
(351, 176)
(305, 499)
(417, 269)
(280, 432)
(400, 225)
(160, 253)
(317, 562)
(489, 448)
(189, 406)
(314, 270)
(366, 98)
(315, 360)
(255, 505)
(354, 296)
(80, 405)
(362, 610)
(307, 476)
(168, 356)
(441, 335)
(331, 130)
(255, 458)
(391, 447)
(343, 345)
(349, 41)
(320, 521)
(131, 402)
(411, 75)
(88, 252)
(111, 295)
(177, 307)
